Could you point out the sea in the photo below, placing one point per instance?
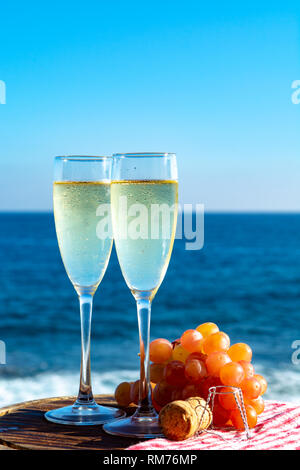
(246, 278)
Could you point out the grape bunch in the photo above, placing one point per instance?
(200, 359)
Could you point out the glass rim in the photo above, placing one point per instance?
(83, 158)
(144, 155)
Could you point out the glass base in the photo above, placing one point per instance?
(84, 415)
(144, 427)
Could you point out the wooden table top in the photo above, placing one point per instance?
(23, 426)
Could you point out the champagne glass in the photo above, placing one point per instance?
(144, 195)
(81, 193)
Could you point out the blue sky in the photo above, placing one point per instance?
(210, 81)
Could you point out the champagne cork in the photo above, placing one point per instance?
(182, 419)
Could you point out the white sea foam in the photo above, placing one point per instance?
(283, 385)
(15, 390)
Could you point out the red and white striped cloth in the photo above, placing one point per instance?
(278, 428)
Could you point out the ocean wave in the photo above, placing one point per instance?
(16, 390)
(282, 385)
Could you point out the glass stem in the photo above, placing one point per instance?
(85, 395)
(144, 316)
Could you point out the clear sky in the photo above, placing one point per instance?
(210, 81)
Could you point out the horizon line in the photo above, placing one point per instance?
(209, 211)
